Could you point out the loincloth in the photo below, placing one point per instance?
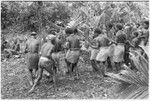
(118, 54)
(104, 53)
(47, 64)
(33, 59)
(72, 56)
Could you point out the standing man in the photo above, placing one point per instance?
(73, 53)
(102, 44)
(94, 51)
(32, 56)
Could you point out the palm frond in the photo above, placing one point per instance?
(141, 64)
(132, 76)
(138, 92)
(130, 89)
(121, 87)
(144, 95)
(133, 85)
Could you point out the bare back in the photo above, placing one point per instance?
(47, 49)
(33, 45)
(74, 41)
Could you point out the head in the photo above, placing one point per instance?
(69, 31)
(97, 32)
(75, 31)
(119, 26)
(53, 32)
(51, 38)
(5, 42)
(146, 24)
(113, 5)
(137, 25)
(110, 25)
(136, 42)
(135, 34)
(34, 35)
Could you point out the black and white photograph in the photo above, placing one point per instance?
(74, 49)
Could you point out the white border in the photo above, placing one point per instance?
(71, 99)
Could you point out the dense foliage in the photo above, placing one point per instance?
(35, 16)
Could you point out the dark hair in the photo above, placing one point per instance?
(138, 24)
(75, 30)
(121, 38)
(69, 31)
(146, 22)
(53, 41)
(119, 26)
(53, 32)
(97, 30)
(136, 34)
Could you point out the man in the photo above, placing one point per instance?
(94, 51)
(46, 62)
(73, 53)
(102, 44)
(32, 56)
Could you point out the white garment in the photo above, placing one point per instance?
(118, 54)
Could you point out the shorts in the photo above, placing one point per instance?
(118, 54)
(72, 56)
(33, 59)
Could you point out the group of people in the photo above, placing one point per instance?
(109, 49)
(46, 56)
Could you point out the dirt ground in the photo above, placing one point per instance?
(15, 85)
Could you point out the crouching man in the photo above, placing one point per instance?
(46, 62)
